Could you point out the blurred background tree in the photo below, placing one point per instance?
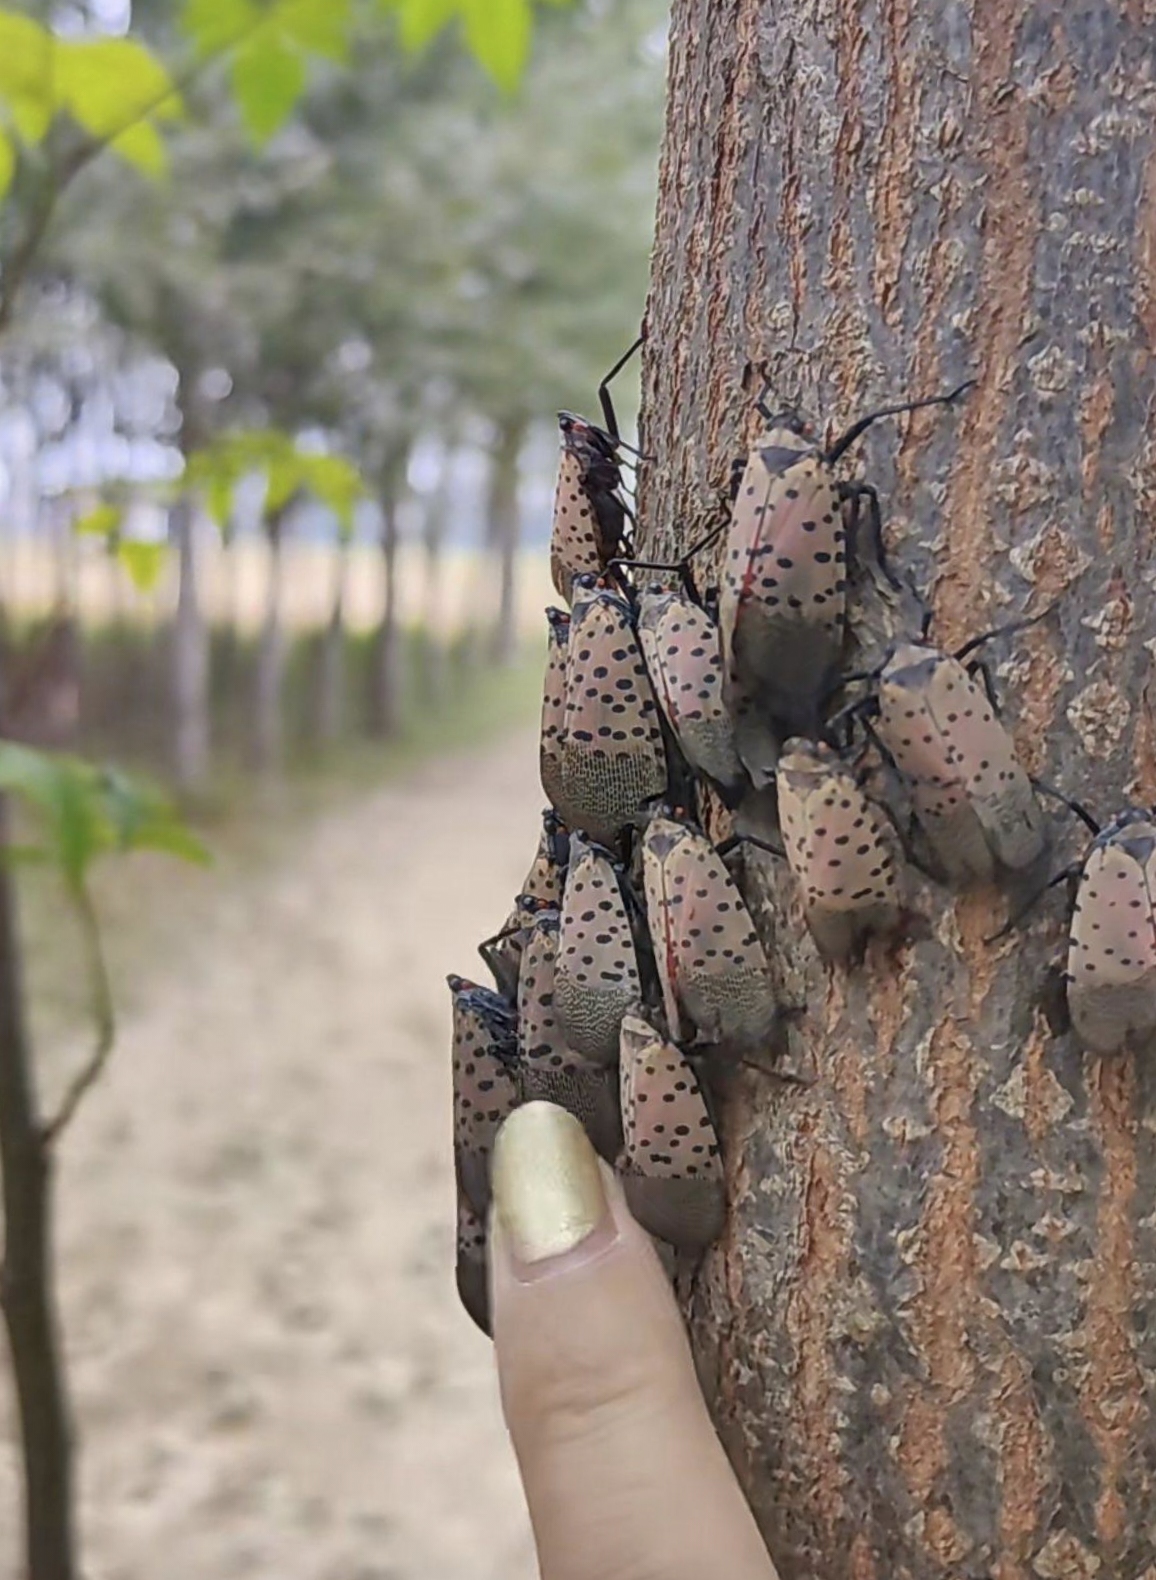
(289, 294)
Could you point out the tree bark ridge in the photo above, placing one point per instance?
(926, 1331)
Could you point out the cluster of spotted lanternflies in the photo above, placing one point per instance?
(630, 974)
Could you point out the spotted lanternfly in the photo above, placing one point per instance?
(554, 704)
(783, 594)
(713, 970)
(589, 511)
(597, 978)
(841, 848)
(670, 1167)
(1111, 974)
(545, 877)
(472, 1278)
(613, 760)
(549, 1068)
(503, 953)
(681, 645)
(485, 1081)
(971, 795)
(590, 514)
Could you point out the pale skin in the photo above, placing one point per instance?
(624, 1475)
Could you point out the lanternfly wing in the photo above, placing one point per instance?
(908, 729)
(573, 547)
(613, 757)
(682, 648)
(550, 1069)
(783, 597)
(554, 704)
(597, 976)
(671, 1170)
(710, 961)
(485, 1052)
(1112, 945)
(472, 1280)
(840, 847)
(973, 798)
(589, 513)
(993, 778)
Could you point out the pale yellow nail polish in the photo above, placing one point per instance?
(547, 1186)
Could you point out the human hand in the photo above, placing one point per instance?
(623, 1473)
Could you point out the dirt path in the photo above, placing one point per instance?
(271, 1372)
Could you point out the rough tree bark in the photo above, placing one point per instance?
(928, 1332)
(502, 530)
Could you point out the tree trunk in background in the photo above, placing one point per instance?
(433, 678)
(927, 1331)
(331, 675)
(268, 725)
(385, 677)
(502, 529)
(190, 658)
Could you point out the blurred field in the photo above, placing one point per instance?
(233, 586)
(272, 1375)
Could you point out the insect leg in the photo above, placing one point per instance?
(1002, 630)
(604, 398)
(854, 494)
(983, 670)
(1077, 807)
(1033, 900)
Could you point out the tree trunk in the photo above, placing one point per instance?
(27, 1274)
(433, 623)
(268, 725)
(331, 676)
(385, 678)
(503, 526)
(190, 659)
(927, 1330)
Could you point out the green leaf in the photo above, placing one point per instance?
(268, 79)
(283, 480)
(498, 35)
(108, 84)
(142, 817)
(26, 94)
(219, 500)
(144, 562)
(144, 148)
(420, 21)
(101, 522)
(59, 788)
(320, 27)
(7, 163)
(336, 482)
(216, 25)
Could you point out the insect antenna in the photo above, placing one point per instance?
(858, 429)
(1002, 630)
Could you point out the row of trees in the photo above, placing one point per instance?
(404, 257)
(342, 249)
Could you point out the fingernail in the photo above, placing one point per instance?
(548, 1192)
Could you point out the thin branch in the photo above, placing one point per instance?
(104, 1015)
(15, 272)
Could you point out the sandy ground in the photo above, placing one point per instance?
(271, 1373)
